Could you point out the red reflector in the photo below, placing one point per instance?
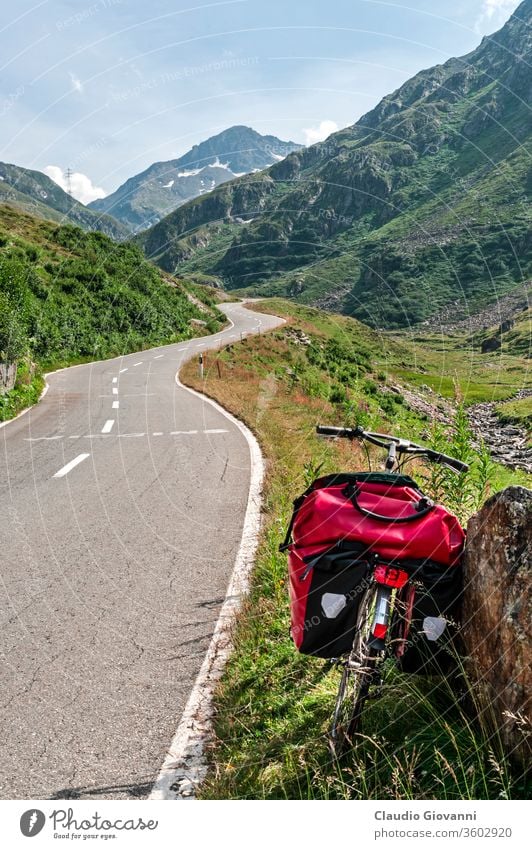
(380, 631)
(390, 576)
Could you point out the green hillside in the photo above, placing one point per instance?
(67, 295)
(35, 193)
(421, 204)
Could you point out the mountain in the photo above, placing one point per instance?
(146, 198)
(419, 206)
(34, 192)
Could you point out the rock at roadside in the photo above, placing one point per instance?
(497, 614)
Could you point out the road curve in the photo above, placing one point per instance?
(123, 498)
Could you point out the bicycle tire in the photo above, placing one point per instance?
(357, 676)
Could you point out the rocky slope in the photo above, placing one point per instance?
(421, 203)
(35, 193)
(508, 442)
(147, 197)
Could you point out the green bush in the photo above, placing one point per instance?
(99, 299)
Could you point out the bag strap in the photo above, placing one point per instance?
(297, 505)
(424, 506)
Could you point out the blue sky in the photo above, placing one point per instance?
(106, 87)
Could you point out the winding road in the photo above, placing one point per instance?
(122, 505)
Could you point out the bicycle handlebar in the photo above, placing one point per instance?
(402, 446)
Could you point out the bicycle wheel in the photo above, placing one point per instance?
(357, 676)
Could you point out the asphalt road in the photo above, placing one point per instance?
(122, 504)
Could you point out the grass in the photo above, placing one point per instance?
(273, 705)
(449, 365)
(518, 412)
(26, 392)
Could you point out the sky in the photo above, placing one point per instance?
(106, 87)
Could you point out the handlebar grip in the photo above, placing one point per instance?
(445, 460)
(345, 432)
(457, 465)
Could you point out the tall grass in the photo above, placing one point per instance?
(425, 737)
(462, 493)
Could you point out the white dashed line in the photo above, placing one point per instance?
(115, 380)
(122, 370)
(138, 364)
(41, 438)
(158, 357)
(108, 427)
(116, 405)
(115, 390)
(69, 466)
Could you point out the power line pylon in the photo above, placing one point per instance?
(68, 177)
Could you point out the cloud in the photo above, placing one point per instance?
(77, 85)
(495, 12)
(321, 132)
(82, 187)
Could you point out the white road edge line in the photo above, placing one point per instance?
(108, 426)
(185, 764)
(69, 466)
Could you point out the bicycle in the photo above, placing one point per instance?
(383, 623)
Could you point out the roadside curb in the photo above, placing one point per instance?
(185, 764)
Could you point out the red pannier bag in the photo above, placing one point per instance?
(341, 527)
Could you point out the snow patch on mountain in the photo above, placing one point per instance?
(191, 172)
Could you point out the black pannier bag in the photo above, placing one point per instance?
(424, 624)
(338, 578)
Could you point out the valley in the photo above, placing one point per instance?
(420, 205)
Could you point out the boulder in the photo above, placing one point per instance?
(496, 614)
(492, 343)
